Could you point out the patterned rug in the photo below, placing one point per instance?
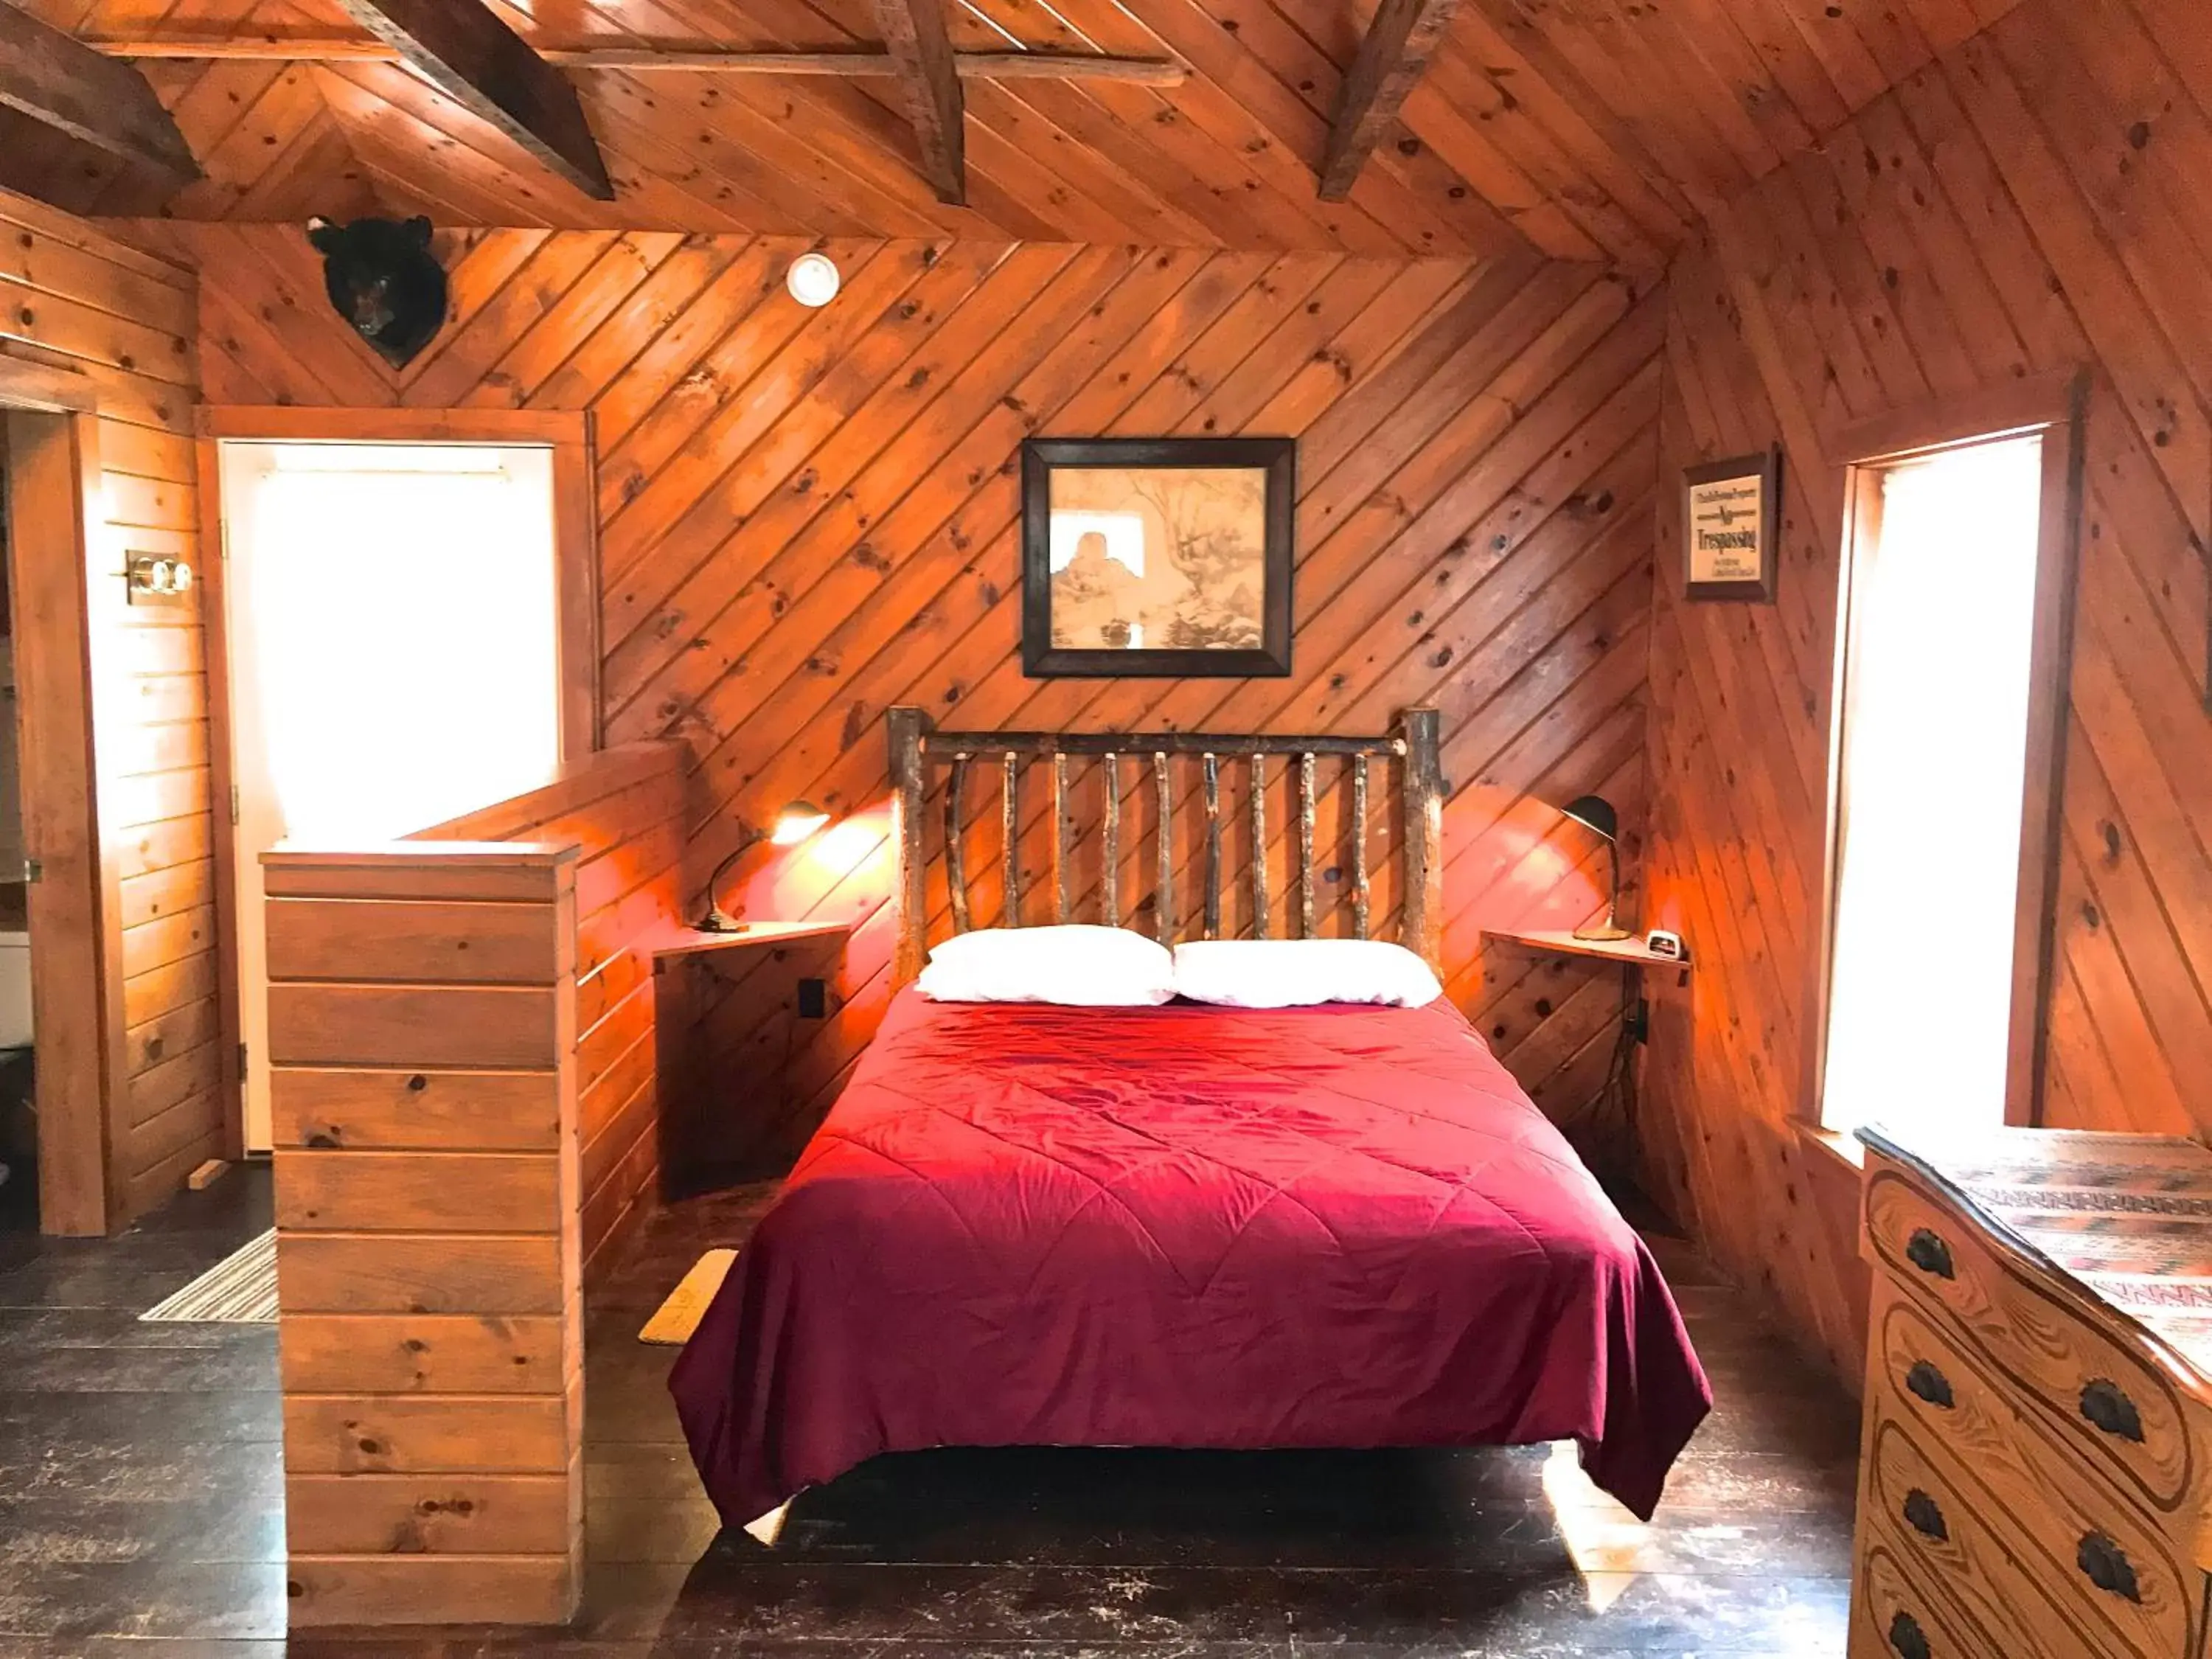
(679, 1315)
(238, 1289)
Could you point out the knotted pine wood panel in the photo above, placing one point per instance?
(2019, 207)
(1581, 132)
(806, 518)
(72, 298)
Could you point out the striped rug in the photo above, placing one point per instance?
(238, 1289)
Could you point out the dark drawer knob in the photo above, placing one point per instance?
(1907, 1638)
(2106, 1566)
(1930, 1384)
(1930, 1253)
(1924, 1516)
(2103, 1404)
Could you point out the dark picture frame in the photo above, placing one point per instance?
(1275, 458)
(1760, 472)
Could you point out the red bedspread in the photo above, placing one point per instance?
(1183, 1226)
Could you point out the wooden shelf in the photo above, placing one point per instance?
(690, 941)
(1560, 942)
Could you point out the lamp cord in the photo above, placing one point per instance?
(1605, 1127)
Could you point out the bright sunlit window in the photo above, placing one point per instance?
(399, 605)
(1935, 742)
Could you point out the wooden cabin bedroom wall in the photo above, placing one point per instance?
(2032, 202)
(806, 518)
(73, 298)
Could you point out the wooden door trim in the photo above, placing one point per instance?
(76, 981)
(2055, 405)
(215, 624)
(2050, 674)
(575, 536)
(2012, 409)
(42, 388)
(287, 423)
(1862, 501)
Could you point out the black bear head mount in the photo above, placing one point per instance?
(383, 279)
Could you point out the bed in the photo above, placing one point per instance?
(1188, 1226)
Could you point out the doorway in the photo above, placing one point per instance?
(19, 1135)
(392, 621)
(50, 437)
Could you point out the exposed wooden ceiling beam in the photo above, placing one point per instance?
(74, 123)
(929, 84)
(1390, 60)
(689, 60)
(465, 50)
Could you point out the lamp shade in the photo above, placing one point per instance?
(1594, 813)
(798, 820)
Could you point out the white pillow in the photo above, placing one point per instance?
(1082, 967)
(1292, 973)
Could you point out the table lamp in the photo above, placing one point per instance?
(1596, 813)
(794, 824)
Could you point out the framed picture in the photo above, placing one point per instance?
(1731, 523)
(1167, 557)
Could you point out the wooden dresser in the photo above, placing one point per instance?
(2035, 1475)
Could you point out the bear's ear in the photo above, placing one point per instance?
(418, 227)
(324, 236)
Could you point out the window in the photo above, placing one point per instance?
(1935, 777)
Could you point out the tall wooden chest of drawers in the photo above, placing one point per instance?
(2035, 1473)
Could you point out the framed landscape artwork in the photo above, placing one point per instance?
(1157, 556)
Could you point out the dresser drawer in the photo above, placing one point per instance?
(1909, 1507)
(2099, 1548)
(1894, 1617)
(2096, 1394)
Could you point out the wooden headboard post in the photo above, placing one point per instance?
(1415, 743)
(1423, 921)
(909, 786)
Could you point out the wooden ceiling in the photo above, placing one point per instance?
(1582, 129)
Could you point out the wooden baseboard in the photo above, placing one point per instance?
(431, 1590)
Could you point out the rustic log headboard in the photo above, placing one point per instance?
(916, 746)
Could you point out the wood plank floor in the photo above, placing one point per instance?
(141, 1510)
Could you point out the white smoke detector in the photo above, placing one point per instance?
(813, 279)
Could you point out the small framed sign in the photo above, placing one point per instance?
(1731, 518)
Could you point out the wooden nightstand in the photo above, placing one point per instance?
(730, 1012)
(1630, 952)
(691, 941)
(1605, 1131)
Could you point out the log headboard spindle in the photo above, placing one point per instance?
(916, 746)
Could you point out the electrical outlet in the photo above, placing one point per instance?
(813, 998)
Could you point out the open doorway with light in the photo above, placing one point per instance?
(405, 629)
(1950, 693)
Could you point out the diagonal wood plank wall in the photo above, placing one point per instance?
(809, 517)
(624, 810)
(72, 298)
(2032, 202)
